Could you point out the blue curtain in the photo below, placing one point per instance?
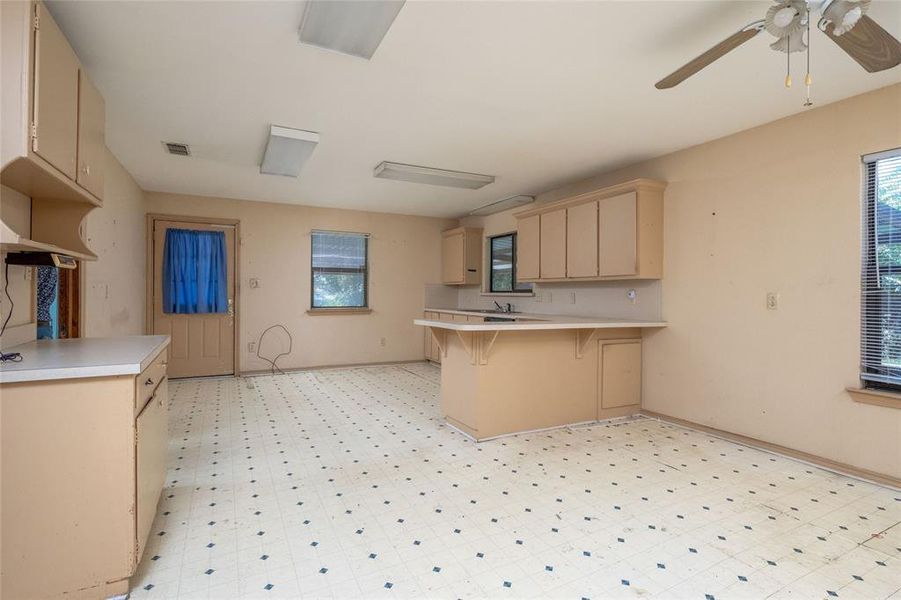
(195, 272)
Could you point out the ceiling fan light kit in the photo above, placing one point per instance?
(845, 22)
(844, 14)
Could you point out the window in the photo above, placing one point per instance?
(502, 270)
(340, 270)
(881, 273)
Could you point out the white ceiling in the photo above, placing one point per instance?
(535, 93)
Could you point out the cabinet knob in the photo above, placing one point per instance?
(86, 169)
(149, 381)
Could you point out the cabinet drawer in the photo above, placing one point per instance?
(147, 382)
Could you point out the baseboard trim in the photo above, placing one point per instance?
(261, 372)
(811, 459)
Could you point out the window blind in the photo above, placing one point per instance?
(502, 264)
(881, 272)
(339, 269)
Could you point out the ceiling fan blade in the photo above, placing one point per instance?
(693, 66)
(874, 48)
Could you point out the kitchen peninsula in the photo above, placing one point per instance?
(525, 372)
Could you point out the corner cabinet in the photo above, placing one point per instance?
(461, 256)
(53, 120)
(607, 234)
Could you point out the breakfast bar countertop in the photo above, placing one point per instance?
(531, 322)
(46, 360)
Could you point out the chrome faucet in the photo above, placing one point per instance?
(504, 309)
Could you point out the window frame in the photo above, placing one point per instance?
(515, 289)
(339, 270)
(872, 306)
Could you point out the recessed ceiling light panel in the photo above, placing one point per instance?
(287, 150)
(354, 27)
(501, 205)
(430, 176)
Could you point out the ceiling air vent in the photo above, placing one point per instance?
(177, 149)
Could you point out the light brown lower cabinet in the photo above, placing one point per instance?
(84, 462)
(619, 374)
(430, 346)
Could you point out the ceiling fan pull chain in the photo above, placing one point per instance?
(788, 67)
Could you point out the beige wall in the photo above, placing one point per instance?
(405, 255)
(113, 294)
(771, 209)
(114, 289)
(15, 209)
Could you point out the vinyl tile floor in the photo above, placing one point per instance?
(346, 483)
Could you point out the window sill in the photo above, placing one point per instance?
(875, 397)
(509, 294)
(318, 312)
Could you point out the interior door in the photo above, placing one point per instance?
(201, 344)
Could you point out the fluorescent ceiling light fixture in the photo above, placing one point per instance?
(287, 150)
(501, 205)
(354, 27)
(430, 176)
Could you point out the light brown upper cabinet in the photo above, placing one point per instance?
(528, 236)
(619, 235)
(91, 136)
(461, 256)
(55, 130)
(552, 251)
(582, 240)
(52, 120)
(610, 233)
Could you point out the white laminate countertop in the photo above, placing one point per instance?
(46, 360)
(531, 322)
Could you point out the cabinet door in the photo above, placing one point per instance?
(427, 338)
(452, 259)
(553, 244)
(582, 240)
(150, 456)
(55, 95)
(618, 235)
(528, 235)
(91, 138)
(620, 373)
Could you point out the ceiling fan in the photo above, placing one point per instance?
(843, 21)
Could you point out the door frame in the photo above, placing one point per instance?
(151, 219)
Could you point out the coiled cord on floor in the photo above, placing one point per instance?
(273, 361)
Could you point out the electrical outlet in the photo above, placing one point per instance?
(383, 342)
(572, 297)
(772, 301)
(251, 347)
(28, 272)
(254, 283)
